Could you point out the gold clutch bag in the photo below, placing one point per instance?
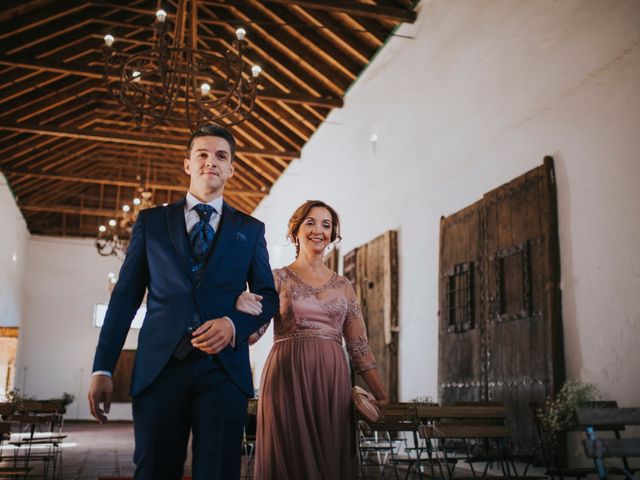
(365, 404)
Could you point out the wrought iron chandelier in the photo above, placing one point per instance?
(113, 238)
(174, 79)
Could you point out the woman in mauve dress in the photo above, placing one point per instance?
(305, 423)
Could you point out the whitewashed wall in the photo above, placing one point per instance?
(64, 279)
(477, 95)
(13, 244)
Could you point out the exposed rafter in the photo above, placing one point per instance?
(142, 139)
(357, 9)
(122, 183)
(72, 154)
(96, 72)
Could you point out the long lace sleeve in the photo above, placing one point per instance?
(262, 330)
(355, 334)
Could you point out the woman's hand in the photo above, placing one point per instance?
(373, 380)
(382, 405)
(249, 303)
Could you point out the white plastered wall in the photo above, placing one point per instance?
(477, 95)
(64, 280)
(13, 244)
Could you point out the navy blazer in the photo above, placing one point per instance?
(158, 260)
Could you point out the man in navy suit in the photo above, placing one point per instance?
(191, 371)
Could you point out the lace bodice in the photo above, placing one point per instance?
(330, 311)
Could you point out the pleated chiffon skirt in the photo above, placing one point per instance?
(305, 420)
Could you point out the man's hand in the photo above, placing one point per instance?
(213, 335)
(100, 390)
(250, 303)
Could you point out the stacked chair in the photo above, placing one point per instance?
(431, 441)
(8, 469)
(392, 442)
(34, 431)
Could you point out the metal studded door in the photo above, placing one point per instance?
(500, 310)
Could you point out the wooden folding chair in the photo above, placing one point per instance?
(480, 431)
(599, 448)
(40, 435)
(7, 467)
(552, 444)
(399, 425)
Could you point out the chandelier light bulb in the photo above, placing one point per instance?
(114, 280)
(108, 40)
(161, 15)
(136, 76)
(204, 89)
(102, 229)
(126, 208)
(255, 71)
(240, 33)
(111, 275)
(112, 223)
(136, 201)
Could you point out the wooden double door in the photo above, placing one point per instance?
(500, 324)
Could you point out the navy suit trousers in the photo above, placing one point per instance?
(195, 394)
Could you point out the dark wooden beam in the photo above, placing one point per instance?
(96, 72)
(121, 183)
(68, 209)
(356, 9)
(143, 140)
(22, 9)
(72, 210)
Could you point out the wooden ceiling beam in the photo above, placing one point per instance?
(44, 18)
(270, 122)
(96, 212)
(303, 61)
(121, 183)
(94, 72)
(68, 209)
(390, 14)
(22, 9)
(316, 41)
(144, 140)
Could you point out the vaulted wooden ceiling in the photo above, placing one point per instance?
(73, 155)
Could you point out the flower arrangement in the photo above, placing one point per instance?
(558, 413)
(422, 400)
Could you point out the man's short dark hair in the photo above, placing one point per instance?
(213, 130)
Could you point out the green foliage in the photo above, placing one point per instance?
(15, 396)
